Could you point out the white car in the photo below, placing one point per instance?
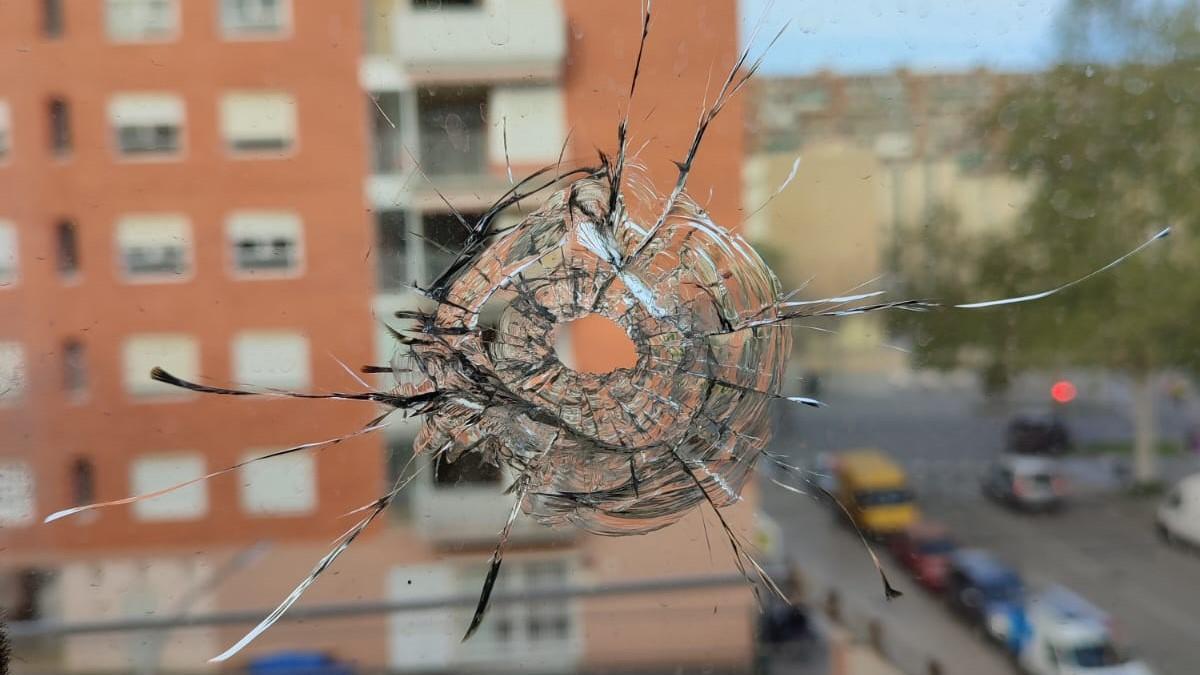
(1025, 482)
(1179, 513)
(1067, 635)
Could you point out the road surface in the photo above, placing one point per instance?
(1103, 547)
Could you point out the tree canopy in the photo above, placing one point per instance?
(1111, 151)
(1109, 144)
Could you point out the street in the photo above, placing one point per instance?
(1103, 546)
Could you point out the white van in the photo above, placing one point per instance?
(1067, 635)
(1027, 483)
(1179, 513)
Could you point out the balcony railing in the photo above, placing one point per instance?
(473, 515)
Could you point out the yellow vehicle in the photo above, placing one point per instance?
(874, 491)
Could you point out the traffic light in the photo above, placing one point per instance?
(1063, 391)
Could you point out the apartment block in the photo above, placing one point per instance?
(870, 157)
(242, 191)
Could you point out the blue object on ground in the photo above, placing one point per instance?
(298, 663)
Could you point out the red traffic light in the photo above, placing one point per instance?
(1062, 391)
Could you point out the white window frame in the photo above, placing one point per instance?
(279, 487)
(13, 378)
(178, 353)
(231, 30)
(272, 358)
(151, 231)
(519, 647)
(17, 493)
(125, 34)
(264, 227)
(10, 254)
(147, 111)
(422, 640)
(6, 132)
(243, 112)
(151, 472)
(534, 119)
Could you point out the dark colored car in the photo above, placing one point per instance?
(924, 550)
(1038, 434)
(988, 594)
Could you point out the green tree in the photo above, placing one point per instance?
(1110, 144)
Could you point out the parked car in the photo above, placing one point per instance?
(874, 491)
(1038, 434)
(1178, 518)
(988, 594)
(1029, 483)
(924, 550)
(1064, 634)
(298, 663)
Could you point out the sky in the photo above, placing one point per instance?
(877, 35)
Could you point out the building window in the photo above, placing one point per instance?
(391, 251)
(468, 469)
(534, 624)
(12, 373)
(66, 239)
(254, 18)
(156, 472)
(53, 20)
(397, 454)
(874, 94)
(547, 620)
(280, 486)
(5, 130)
(446, 4)
(58, 112)
(258, 122)
(24, 592)
(265, 242)
(74, 357)
(534, 119)
(9, 260)
(16, 492)
(142, 20)
(442, 238)
(146, 125)
(810, 99)
(271, 359)
(453, 131)
(154, 246)
(387, 139)
(83, 481)
(177, 354)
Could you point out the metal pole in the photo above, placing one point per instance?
(26, 629)
(157, 639)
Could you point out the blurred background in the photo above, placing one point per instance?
(245, 190)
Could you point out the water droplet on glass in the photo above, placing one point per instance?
(1136, 86)
(681, 60)
(456, 132)
(499, 29)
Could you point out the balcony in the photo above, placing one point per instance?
(467, 506)
(486, 40)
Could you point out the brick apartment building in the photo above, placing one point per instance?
(228, 188)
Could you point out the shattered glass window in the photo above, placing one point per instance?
(562, 336)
